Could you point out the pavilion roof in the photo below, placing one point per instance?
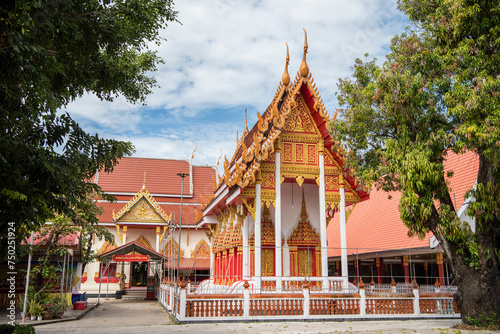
(135, 248)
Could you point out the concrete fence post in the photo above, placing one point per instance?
(172, 299)
(246, 300)
(362, 302)
(416, 300)
(305, 291)
(182, 300)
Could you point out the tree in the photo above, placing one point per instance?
(52, 52)
(438, 91)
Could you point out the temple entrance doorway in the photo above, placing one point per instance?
(138, 274)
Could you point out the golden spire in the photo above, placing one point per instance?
(303, 211)
(286, 77)
(304, 69)
(144, 182)
(246, 125)
(192, 154)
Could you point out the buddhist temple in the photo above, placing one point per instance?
(284, 231)
(269, 213)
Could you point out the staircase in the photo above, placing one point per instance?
(135, 294)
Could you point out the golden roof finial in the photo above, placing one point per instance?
(144, 182)
(286, 77)
(192, 154)
(220, 156)
(246, 125)
(304, 69)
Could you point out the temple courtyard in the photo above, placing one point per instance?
(137, 316)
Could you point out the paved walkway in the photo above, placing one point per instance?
(139, 316)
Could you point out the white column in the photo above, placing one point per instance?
(246, 249)
(124, 235)
(157, 248)
(343, 236)
(277, 222)
(212, 258)
(322, 217)
(258, 255)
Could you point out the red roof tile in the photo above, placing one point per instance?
(202, 263)
(160, 176)
(67, 240)
(375, 224)
(161, 181)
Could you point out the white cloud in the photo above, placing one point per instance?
(228, 55)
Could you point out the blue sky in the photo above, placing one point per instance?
(229, 55)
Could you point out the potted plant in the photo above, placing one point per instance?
(36, 309)
(59, 307)
(48, 309)
(31, 309)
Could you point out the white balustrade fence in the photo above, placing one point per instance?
(312, 300)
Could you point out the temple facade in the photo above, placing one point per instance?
(268, 216)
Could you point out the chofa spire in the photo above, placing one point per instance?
(304, 69)
(286, 77)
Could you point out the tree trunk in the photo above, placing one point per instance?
(478, 290)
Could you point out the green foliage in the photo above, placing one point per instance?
(52, 52)
(484, 321)
(16, 329)
(437, 92)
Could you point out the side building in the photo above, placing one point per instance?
(379, 246)
(147, 210)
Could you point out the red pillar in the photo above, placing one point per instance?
(426, 269)
(380, 270)
(406, 267)
(439, 257)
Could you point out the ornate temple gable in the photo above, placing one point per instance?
(142, 208)
(304, 234)
(144, 242)
(202, 249)
(171, 249)
(296, 109)
(300, 120)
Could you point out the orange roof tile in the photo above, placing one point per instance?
(161, 181)
(161, 176)
(202, 263)
(375, 224)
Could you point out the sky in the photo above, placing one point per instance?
(228, 55)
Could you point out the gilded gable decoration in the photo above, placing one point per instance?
(202, 249)
(171, 249)
(106, 247)
(144, 242)
(142, 208)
